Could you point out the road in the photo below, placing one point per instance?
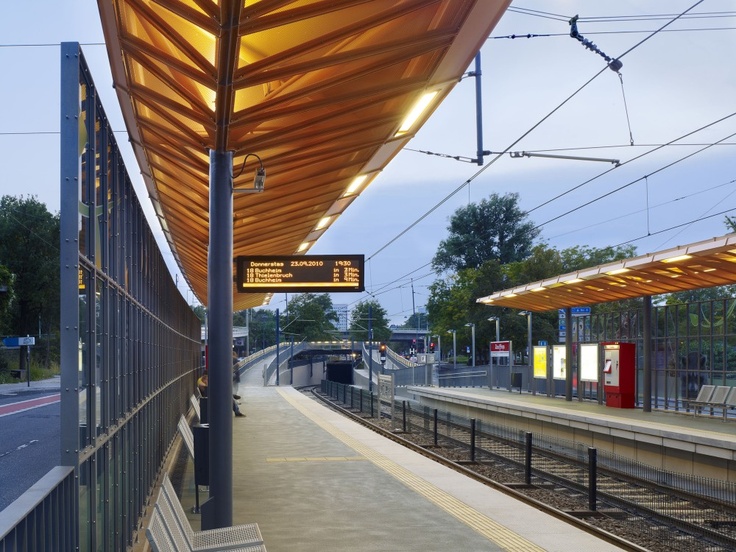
(29, 439)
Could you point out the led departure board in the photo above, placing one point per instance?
(300, 273)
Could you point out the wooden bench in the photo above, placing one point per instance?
(186, 434)
(169, 530)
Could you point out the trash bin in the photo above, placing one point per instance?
(201, 454)
(204, 418)
(516, 380)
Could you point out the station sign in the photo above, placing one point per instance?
(13, 342)
(300, 273)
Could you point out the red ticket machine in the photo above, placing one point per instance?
(619, 374)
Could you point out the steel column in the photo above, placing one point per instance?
(568, 355)
(218, 510)
(647, 344)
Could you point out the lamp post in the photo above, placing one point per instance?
(528, 315)
(454, 349)
(472, 340)
(497, 320)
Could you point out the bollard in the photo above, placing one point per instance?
(472, 439)
(528, 459)
(403, 416)
(592, 472)
(435, 427)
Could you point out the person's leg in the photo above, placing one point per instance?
(236, 409)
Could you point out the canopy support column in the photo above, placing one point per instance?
(647, 344)
(218, 510)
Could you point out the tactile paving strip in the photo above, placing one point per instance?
(493, 531)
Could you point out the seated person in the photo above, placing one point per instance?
(202, 384)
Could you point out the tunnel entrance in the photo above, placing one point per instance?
(340, 372)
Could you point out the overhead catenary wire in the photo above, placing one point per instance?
(630, 183)
(604, 222)
(520, 138)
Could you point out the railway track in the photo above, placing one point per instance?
(633, 513)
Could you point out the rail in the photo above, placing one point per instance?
(45, 516)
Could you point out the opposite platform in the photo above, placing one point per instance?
(314, 480)
(676, 441)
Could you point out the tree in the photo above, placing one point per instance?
(310, 317)
(730, 223)
(29, 248)
(495, 228)
(6, 295)
(262, 329)
(369, 314)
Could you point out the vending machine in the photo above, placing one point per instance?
(619, 374)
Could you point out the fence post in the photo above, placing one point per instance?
(472, 439)
(528, 459)
(403, 416)
(592, 473)
(435, 427)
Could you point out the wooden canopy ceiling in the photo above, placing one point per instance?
(317, 89)
(699, 265)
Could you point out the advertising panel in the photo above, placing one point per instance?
(540, 362)
(559, 355)
(589, 362)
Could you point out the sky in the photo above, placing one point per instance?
(543, 94)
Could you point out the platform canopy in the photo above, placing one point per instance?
(699, 265)
(317, 89)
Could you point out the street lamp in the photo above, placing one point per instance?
(472, 340)
(454, 349)
(497, 320)
(528, 315)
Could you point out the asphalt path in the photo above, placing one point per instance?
(29, 439)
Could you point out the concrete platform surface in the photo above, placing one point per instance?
(316, 481)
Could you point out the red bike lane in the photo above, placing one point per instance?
(22, 406)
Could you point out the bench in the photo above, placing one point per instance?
(195, 405)
(186, 435)
(704, 395)
(169, 529)
(715, 396)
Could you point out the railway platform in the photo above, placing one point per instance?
(314, 480)
(677, 441)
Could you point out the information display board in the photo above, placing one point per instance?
(300, 273)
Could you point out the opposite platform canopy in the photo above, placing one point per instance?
(699, 265)
(317, 89)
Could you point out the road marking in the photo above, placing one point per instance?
(30, 404)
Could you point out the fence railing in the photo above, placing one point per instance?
(44, 517)
(484, 438)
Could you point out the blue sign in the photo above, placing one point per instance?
(576, 311)
(15, 342)
(542, 343)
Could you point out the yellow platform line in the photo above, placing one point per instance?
(493, 531)
(317, 459)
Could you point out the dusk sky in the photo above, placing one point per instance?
(679, 87)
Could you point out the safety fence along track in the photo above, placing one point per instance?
(639, 507)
